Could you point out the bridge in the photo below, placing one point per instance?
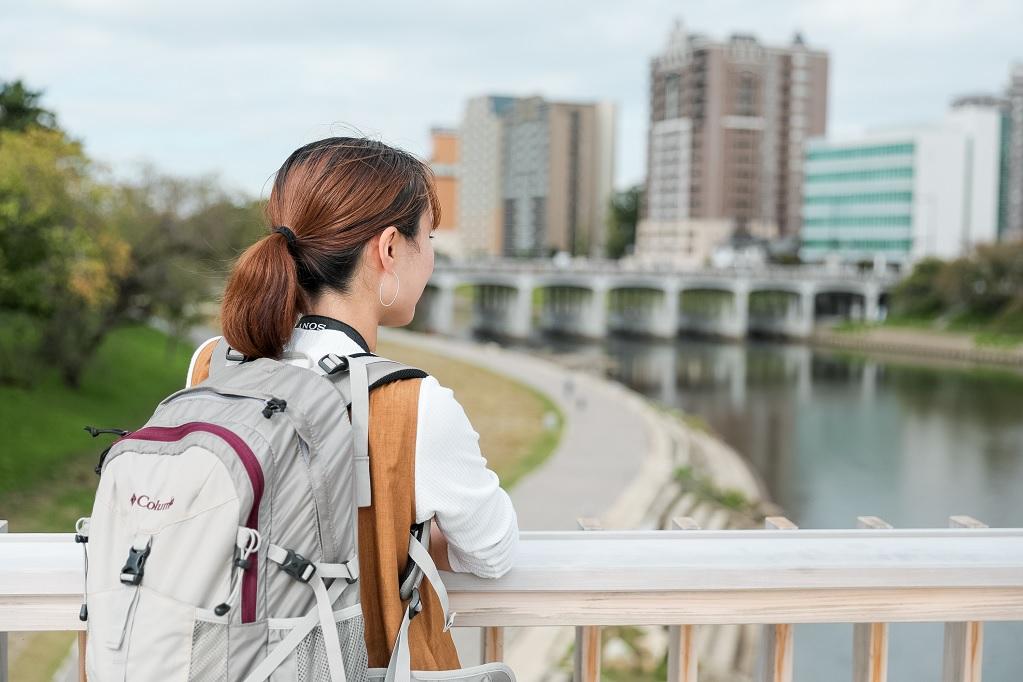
(591, 299)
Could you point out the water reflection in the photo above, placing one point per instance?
(835, 436)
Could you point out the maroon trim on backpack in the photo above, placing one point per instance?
(170, 434)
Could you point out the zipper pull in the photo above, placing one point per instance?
(93, 431)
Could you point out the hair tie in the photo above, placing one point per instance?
(288, 235)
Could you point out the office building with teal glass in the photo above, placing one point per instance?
(898, 196)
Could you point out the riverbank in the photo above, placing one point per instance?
(913, 341)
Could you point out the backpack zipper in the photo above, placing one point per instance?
(169, 434)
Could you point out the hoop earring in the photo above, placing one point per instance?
(397, 288)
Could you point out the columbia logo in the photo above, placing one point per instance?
(147, 502)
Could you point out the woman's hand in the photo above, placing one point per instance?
(439, 547)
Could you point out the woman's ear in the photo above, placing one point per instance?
(386, 247)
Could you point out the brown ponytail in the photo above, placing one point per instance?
(335, 195)
(264, 298)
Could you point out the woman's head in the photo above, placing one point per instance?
(361, 213)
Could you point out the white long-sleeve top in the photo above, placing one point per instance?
(452, 481)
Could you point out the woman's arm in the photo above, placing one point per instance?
(439, 548)
(454, 485)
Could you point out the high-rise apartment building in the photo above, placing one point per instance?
(534, 176)
(481, 135)
(728, 121)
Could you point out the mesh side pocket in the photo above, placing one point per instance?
(311, 654)
(209, 652)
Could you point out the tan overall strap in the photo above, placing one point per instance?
(384, 536)
(201, 368)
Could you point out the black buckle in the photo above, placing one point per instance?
(233, 356)
(297, 566)
(134, 567)
(274, 405)
(332, 364)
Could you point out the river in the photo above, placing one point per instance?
(835, 436)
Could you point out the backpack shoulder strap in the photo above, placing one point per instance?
(223, 356)
(379, 372)
(358, 374)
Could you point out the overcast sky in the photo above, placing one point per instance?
(232, 88)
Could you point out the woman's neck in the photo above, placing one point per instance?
(362, 320)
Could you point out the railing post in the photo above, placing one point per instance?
(81, 656)
(681, 638)
(492, 644)
(776, 652)
(964, 642)
(870, 640)
(3, 635)
(587, 638)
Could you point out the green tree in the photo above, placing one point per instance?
(20, 108)
(622, 220)
(59, 262)
(917, 295)
(78, 256)
(183, 234)
(984, 289)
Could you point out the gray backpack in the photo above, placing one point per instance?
(223, 543)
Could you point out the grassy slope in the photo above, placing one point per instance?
(46, 458)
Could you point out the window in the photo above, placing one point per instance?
(539, 207)
(861, 152)
(859, 244)
(862, 198)
(879, 174)
(509, 227)
(672, 96)
(861, 221)
(746, 95)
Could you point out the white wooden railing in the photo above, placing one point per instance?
(685, 578)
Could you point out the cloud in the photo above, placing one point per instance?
(232, 88)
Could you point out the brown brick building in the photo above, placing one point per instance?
(727, 125)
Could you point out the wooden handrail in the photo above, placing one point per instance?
(656, 577)
(873, 575)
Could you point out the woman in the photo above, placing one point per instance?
(349, 250)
